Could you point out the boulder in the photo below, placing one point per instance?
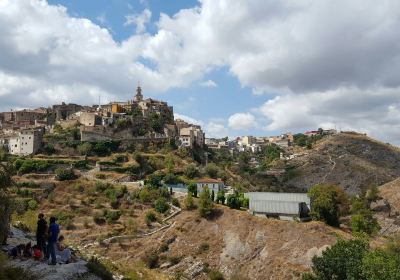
(381, 205)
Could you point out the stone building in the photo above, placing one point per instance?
(90, 119)
(189, 134)
(64, 110)
(26, 142)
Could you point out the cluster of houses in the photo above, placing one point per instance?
(250, 143)
(21, 131)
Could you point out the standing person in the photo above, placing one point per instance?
(54, 230)
(41, 232)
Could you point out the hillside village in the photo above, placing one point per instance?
(128, 175)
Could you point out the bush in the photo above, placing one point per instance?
(85, 149)
(13, 273)
(98, 269)
(206, 205)
(191, 171)
(99, 219)
(221, 197)
(342, 261)
(189, 202)
(32, 204)
(175, 202)
(111, 216)
(65, 174)
(381, 264)
(150, 217)
(363, 224)
(212, 170)
(151, 260)
(161, 205)
(204, 247)
(328, 203)
(215, 275)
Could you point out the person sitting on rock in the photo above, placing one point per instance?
(64, 255)
(17, 251)
(27, 253)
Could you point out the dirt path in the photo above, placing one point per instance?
(333, 165)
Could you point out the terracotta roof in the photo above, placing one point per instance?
(208, 180)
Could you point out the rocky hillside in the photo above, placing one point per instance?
(352, 161)
(239, 245)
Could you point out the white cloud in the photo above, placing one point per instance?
(242, 121)
(295, 49)
(209, 84)
(216, 130)
(375, 112)
(139, 20)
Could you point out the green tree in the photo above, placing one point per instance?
(372, 194)
(191, 171)
(212, 170)
(212, 195)
(161, 205)
(206, 205)
(326, 201)
(65, 174)
(150, 217)
(192, 188)
(363, 220)
(233, 201)
(6, 204)
(221, 197)
(381, 265)
(189, 202)
(154, 181)
(340, 262)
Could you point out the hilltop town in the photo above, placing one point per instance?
(134, 121)
(142, 195)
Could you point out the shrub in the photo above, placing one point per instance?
(150, 217)
(99, 219)
(221, 197)
(175, 202)
(99, 269)
(14, 273)
(131, 226)
(205, 203)
(161, 205)
(163, 248)
(191, 171)
(189, 202)
(328, 203)
(32, 204)
(65, 174)
(100, 176)
(204, 247)
(192, 188)
(111, 216)
(215, 275)
(342, 261)
(233, 201)
(212, 170)
(151, 260)
(80, 164)
(364, 222)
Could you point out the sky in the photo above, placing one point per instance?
(237, 67)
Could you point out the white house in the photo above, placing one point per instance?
(27, 142)
(212, 184)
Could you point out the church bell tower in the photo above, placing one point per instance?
(138, 96)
